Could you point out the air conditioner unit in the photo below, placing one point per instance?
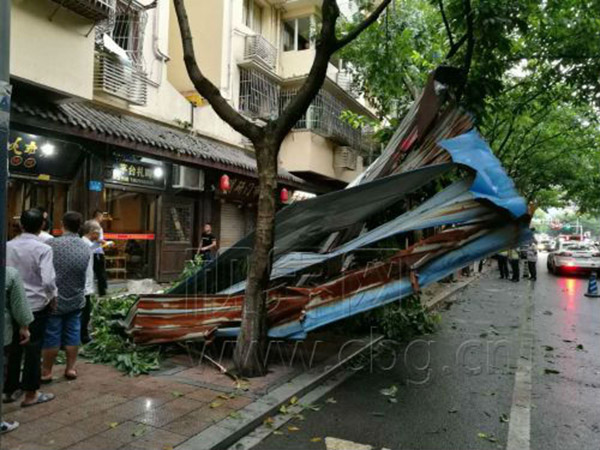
(345, 158)
(188, 178)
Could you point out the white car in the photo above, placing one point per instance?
(573, 256)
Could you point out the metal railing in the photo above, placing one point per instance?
(345, 80)
(260, 50)
(259, 95)
(119, 78)
(324, 118)
(91, 9)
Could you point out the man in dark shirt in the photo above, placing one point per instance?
(208, 243)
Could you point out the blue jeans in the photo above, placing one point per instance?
(63, 329)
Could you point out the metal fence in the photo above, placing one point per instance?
(259, 94)
(324, 118)
(119, 78)
(260, 50)
(92, 9)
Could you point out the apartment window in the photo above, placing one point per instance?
(297, 34)
(252, 15)
(128, 31)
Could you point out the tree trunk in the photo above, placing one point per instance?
(250, 350)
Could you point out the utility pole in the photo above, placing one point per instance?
(5, 92)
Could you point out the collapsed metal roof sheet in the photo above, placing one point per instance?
(476, 216)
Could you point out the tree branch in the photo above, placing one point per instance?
(205, 87)
(349, 37)
(446, 23)
(327, 45)
(470, 46)
(456, 47)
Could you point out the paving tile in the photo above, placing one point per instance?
(98, 423)
(203, 395)
(168, 412)
(36, 429)
(158, 440)
(188, 425)
(61, 438)
(9, 441)
(211, 415)
(126, 432)
(96, 443)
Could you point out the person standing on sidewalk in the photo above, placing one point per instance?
(513, 258)
(16, 309)
(99, 261)
(532, 257)
(71, 260)
(503, 264)
(91, 233)
(33, 260)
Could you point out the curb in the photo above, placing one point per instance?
(440, 298)
(229, 430)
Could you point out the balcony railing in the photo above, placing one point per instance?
(259, 95)
(261, 51)
(324, 118)
(92, 9)
(345, 80)
(120, 78)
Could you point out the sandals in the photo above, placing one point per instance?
(41, 398)
(11, 398)
(71, 375)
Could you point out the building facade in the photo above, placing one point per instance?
(105, 117)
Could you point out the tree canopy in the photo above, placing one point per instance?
(531, 74)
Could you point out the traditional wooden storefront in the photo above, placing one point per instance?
(157, 185)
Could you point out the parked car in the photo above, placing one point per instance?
(573, 256)
(545, 245)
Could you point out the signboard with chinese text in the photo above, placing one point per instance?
(241, 189)
(135, 171)
(45, 158)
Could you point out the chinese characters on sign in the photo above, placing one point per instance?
(136, 173)
(243, 189)
(43, 157)
(22, 152)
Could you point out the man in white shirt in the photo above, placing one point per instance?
(99, 261)
(44, 235)
(91, 234)
(33, 260)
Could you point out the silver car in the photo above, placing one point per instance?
(573, 256)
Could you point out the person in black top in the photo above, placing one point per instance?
(208, 243)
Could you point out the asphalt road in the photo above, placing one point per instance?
(513, 365)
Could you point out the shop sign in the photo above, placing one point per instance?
(138, 172)
(241, 189)
(43, 157)
(95, 186)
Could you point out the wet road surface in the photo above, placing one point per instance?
(513, 365)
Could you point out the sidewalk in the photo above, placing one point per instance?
(103, 409)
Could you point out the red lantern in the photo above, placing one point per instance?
(284, 195)
(224, 183)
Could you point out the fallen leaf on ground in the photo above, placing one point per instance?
(551, 371)
(235, 415)
(269, 421)
(223, 396)
(331, 400)
(452, 411)
(139, 430)
(177, 394)
(548, 348)
(283, 409)
(503, 418)
(277, 432)
(113, 424)
(580, 347)
(293, 428)
(377, 414)
(393, 400)
(299, 417)
(215, 404)
(316, 439)
(293, 400)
